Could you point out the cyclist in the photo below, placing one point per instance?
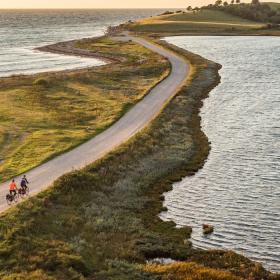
(13, 188)
(24, 182)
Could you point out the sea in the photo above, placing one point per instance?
(21, 31)
(238, 190)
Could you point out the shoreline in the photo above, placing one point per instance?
(202, 145)
(182, 217)
(116, 130)
(133, 192)
(117, 68)
(68, 48)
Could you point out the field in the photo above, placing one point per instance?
(208, 16)
(46, 114)
(202, 22)
(274, 5)
(102, 222)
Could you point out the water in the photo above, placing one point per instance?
(238, 190)
(22, 31)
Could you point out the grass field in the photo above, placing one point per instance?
(46, 114)
(102, 222)
(274, 5)
(208, 16)
(202, 22)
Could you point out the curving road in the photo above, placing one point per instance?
(131, 123)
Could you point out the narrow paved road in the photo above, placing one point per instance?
(131, 123)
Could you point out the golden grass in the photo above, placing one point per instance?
(188, 271)
(102, 222)
(203, 22)
(46, 114)
(206, 15)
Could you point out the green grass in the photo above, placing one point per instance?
(203, 22)
(46, 114)
(102, 222)
(274, 5)
(208, 16)
(187, 28)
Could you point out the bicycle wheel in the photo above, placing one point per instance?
(8, 199)
(16, 198)
(21, 193)
(27, 191)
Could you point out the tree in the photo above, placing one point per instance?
(255, 2)
(237, 1)
(232, 2)
(189, 8)
(218, 2)
(225, 3)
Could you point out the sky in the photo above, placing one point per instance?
(41, 4)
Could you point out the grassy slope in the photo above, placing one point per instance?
(102, 222)
(274, 5)
(209, 16)
(203, 22)
(38, 122)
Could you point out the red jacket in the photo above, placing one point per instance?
(12, 186)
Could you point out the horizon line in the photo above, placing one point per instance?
(139, 8)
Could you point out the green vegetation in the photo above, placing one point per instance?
(41, 82)
(189, 271)
(218, 19)
(46, 114)
(209, 16)
(102, 222)
(256, 11)
(273, 5)
(186, 28)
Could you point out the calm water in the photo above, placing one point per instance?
(22, 31)
(238, 190)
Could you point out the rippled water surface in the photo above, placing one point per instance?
(22, 31)
(238, 190)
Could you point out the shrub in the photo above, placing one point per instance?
(255, 11)
(38, 274)
(167, 13)
(188, 270)
(41, 82)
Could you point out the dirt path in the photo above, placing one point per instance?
(131, 123)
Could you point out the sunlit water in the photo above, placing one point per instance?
(22, 31)
(238, 190)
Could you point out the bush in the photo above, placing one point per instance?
(167, 13)
(38, 274)
(188, 270)
(41, 82)
(255, 12)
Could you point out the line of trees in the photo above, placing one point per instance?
(255, 11)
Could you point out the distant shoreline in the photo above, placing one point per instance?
(68, 48)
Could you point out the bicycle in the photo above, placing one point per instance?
(10, 198)
(23, 192)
